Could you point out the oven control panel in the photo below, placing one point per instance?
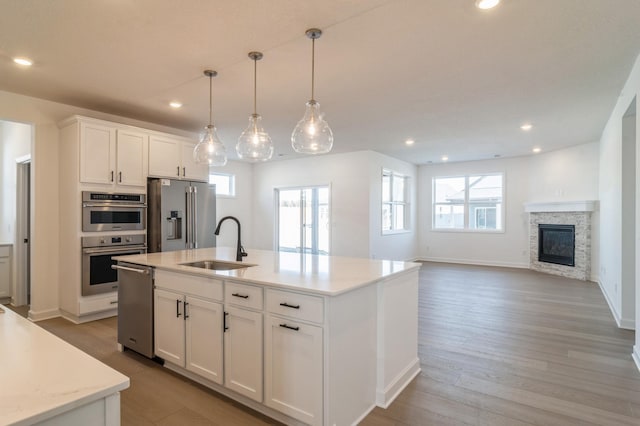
(113, 240)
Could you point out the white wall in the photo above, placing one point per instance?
(610, 188)
(15, 142)
(347, 175)
(564, 175)
(355, 181)
(240, 206)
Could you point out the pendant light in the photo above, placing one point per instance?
(312, 135)
(210, 149)
(254, 143)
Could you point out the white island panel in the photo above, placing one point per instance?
(48, 381)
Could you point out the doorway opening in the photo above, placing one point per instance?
(303, 220)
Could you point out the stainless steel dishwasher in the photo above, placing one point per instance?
(135, 307)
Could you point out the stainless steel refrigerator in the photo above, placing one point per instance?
(181, 215)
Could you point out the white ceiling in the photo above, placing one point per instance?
(458, 80)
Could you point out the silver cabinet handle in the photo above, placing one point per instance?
(125, 268)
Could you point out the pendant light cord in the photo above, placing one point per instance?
(255, 85)
(313, 67)
(210, 101)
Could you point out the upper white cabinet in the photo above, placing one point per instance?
(172, 157)
(112, 156)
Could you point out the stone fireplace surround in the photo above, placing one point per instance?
(577, 213)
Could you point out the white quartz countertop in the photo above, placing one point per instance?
(326, 275)
(43, 376)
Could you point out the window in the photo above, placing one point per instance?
(303, 220)
(225, 184)
(395, 205)
(471, 202)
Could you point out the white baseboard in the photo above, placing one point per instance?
(87, 318)
(624, 323)
(636, 356)
(384, 397)
(36, 316)
(474, 262)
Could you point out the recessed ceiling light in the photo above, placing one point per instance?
(526, 127)
(23, 61)
(486, 4)
(536, 150)
(409, 142)
(445, 158)
(175, 104)
(497, 155)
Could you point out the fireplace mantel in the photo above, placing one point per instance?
(561, 206)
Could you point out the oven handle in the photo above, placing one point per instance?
(125, 268)
(133, 206)
(113, 250)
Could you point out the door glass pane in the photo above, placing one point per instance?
(289, 220)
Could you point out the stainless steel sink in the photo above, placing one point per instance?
(216, 265)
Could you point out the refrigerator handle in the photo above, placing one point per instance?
(194, 214)
(187, 195)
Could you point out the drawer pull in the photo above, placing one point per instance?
(113, 302)
(286, 305)
(243, 296)
(224, 322)
(289, 327)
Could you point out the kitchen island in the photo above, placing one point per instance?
(47, 381)
(305, 339)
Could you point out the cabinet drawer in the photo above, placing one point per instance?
(295, 305)
(89, 306)
(194, 285)
(5, 251)
(248, 296)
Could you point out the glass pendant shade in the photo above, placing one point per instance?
(210, 150)
(312, 135)
(254, 143)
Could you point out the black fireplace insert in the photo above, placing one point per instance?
(557, 244)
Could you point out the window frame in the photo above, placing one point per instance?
(467, 205)
(393, 203)
(232, 184)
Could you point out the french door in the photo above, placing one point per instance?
(303, 220)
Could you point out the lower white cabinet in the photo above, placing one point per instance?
(243, 352)
(293, 364)
(188, 333)
(5, 271)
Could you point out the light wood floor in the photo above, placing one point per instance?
(497, 347)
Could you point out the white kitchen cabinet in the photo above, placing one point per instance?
(172, 157)
(243, 352)
(293, 369)
(169, 329)
(112, 156)
(5, 271)
(188, 333)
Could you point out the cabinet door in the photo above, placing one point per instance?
(191, 170)
(169, 326)
(97, 153)
(5, 277)
(164, 157)
(130, 155)
(293, 362)
(204, 338)
(243, 352)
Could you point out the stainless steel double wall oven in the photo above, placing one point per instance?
(102, 211)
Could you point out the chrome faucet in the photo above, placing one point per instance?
(240, 253)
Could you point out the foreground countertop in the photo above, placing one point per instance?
(44, 376)
(325, 275)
